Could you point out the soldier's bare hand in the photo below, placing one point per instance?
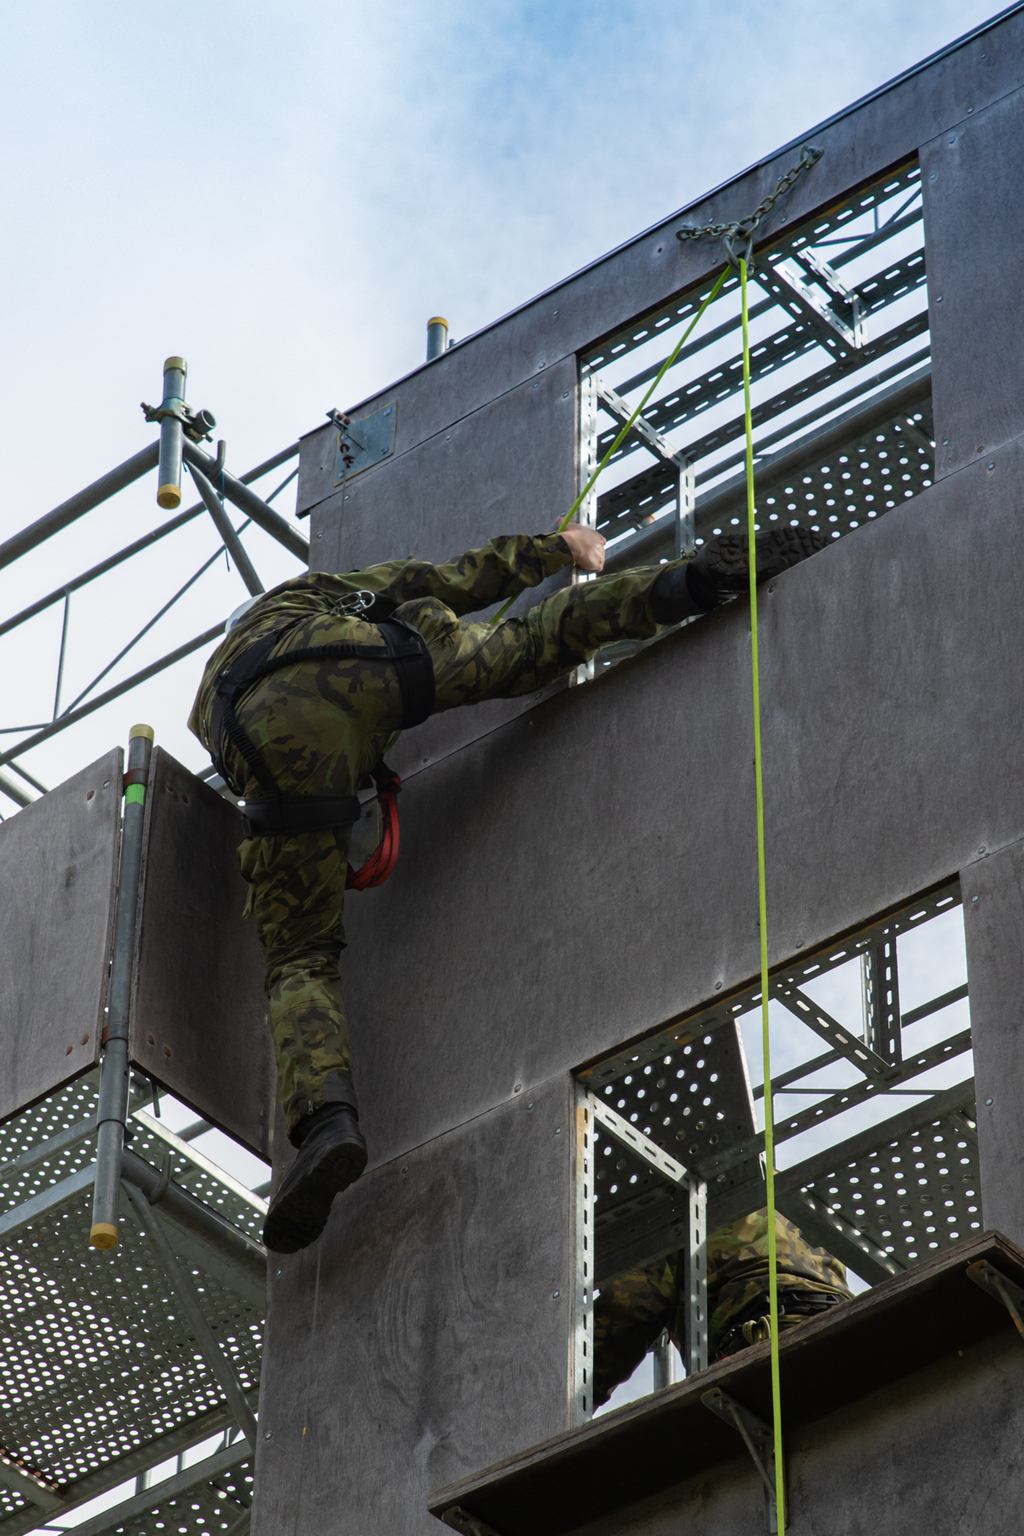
(586, 545)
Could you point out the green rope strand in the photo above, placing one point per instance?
(762, 912)
(666, 365)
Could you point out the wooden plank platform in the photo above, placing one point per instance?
(901, 1326)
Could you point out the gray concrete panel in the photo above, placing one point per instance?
(199, 1015)
(993, 891)
(508, 468)
(426, 1335)
(588, 871)
(936, 1452)
(974, 226)
(647, 270)
(58, 868)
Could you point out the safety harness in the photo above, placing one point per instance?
(272, 814)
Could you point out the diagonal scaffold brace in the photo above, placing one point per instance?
(759, 1439)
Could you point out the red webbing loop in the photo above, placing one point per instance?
(382, 860)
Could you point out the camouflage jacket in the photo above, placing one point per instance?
(503, 568)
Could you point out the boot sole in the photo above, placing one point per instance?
(777, 550)
(298, 1215)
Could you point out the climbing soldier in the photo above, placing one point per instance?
(296, 708)
(631, 1312)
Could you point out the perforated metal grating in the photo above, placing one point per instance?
(699, 1092)
(912, 1196)
(686, 1088)
(843, 431)
(206, 1509)
(98, 1365)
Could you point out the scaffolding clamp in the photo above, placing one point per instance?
(759, 1440)
(1001, 1287)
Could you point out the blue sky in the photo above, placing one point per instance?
(285, 192)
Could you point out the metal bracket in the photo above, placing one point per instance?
(617, 407)
(635, 1141)
(470, 1525)
(696, 1283)
(842, 316)
(364, 442)
(759, 1440)
(1001, 1287)
(843, 1040)
(696, 1278)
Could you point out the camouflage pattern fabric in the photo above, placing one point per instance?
(322, 725)
(631, 1312)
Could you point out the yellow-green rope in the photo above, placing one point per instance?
(666, 365)
(762, 913)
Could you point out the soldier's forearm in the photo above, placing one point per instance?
(501, 569)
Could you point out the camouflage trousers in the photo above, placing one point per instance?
(322, 727)
(631, 1312)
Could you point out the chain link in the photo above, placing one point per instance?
(742, 230)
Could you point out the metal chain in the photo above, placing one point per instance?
(743, 229)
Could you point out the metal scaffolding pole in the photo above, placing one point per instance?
(248, 502)
(92, 496)
(112, 1111)
(232, 542)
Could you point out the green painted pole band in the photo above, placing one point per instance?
(135, 794)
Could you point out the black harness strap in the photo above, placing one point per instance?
(274, 813)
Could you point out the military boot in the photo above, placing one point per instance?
(332, 1155)
(720, 570)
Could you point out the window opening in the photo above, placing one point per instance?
(876, 1144)
(841, 389)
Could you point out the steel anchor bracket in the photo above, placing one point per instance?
(470, 1525)
(1002, 1288)
(759, 1440)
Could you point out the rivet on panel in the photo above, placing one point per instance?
(517, 1088)
(718, 986)
(554, 1295)
(90, 794)
(167, 1050)
(982, 848)
(952, 138)
(988, 1101)
(974, 898)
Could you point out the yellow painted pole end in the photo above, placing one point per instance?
(103, 1235)
(168, 497)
